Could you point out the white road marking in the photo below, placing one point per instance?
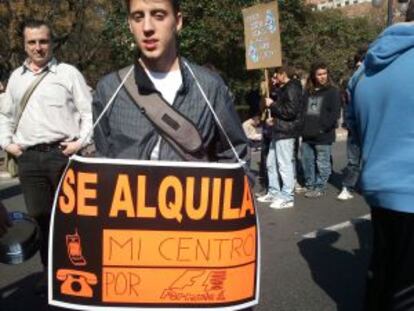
(337, 227)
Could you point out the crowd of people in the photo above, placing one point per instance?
(378, 112)
(47, 113)
(297, 129)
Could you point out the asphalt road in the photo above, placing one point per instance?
(314, 256)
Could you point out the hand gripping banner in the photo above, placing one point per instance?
(149, 235)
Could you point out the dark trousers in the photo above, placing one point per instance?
(390, 284)
(264, 181)
(353, 167)
(39, 174)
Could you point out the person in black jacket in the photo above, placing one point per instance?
(267, 129)
(287, 114)
(322, 102)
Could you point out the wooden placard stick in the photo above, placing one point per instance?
(267, 91)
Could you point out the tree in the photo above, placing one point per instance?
(93, 35)
(213, 35)
(77, 26)
(332, 37)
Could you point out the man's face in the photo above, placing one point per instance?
(321, 76)
(38, 45)
(155, 25)
(281, 78)
(274, 79)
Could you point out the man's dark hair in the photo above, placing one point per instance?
(285, 68)
(35, 23)
(409, 15)
(360, 55)
(175, 5)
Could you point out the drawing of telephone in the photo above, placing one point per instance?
(76, 283)
(73, 244)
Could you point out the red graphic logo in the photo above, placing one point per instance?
(197, 285)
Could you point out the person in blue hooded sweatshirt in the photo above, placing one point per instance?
(382, 113)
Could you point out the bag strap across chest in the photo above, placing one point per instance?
(174, 127)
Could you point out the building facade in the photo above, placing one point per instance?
(353, 8)
(321, 5)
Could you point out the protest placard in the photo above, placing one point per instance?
(148, 235)
(262, 36)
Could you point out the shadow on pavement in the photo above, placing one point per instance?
(341, 274)
(20, 296)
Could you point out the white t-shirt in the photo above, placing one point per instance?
(167, 83)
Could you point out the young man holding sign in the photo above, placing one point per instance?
(128, 131)
(184, 93)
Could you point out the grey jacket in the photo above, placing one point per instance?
(125, 132)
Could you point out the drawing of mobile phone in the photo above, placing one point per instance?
(73, 244)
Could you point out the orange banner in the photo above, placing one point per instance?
(142, 235)
(178, 248)
(185, 286)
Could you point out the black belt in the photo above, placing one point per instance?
(45, 147)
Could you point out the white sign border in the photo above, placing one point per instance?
(213, 165)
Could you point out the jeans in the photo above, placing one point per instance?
(39, 174)
(316, 163)
(351, 174)
(298, 164)
(281, 167)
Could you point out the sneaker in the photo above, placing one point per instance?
(260, 194)
(277, 200)
(300, 189)
(267, 198)
(282, 204)
(345, 195)
(5, 175)
(313, 194)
